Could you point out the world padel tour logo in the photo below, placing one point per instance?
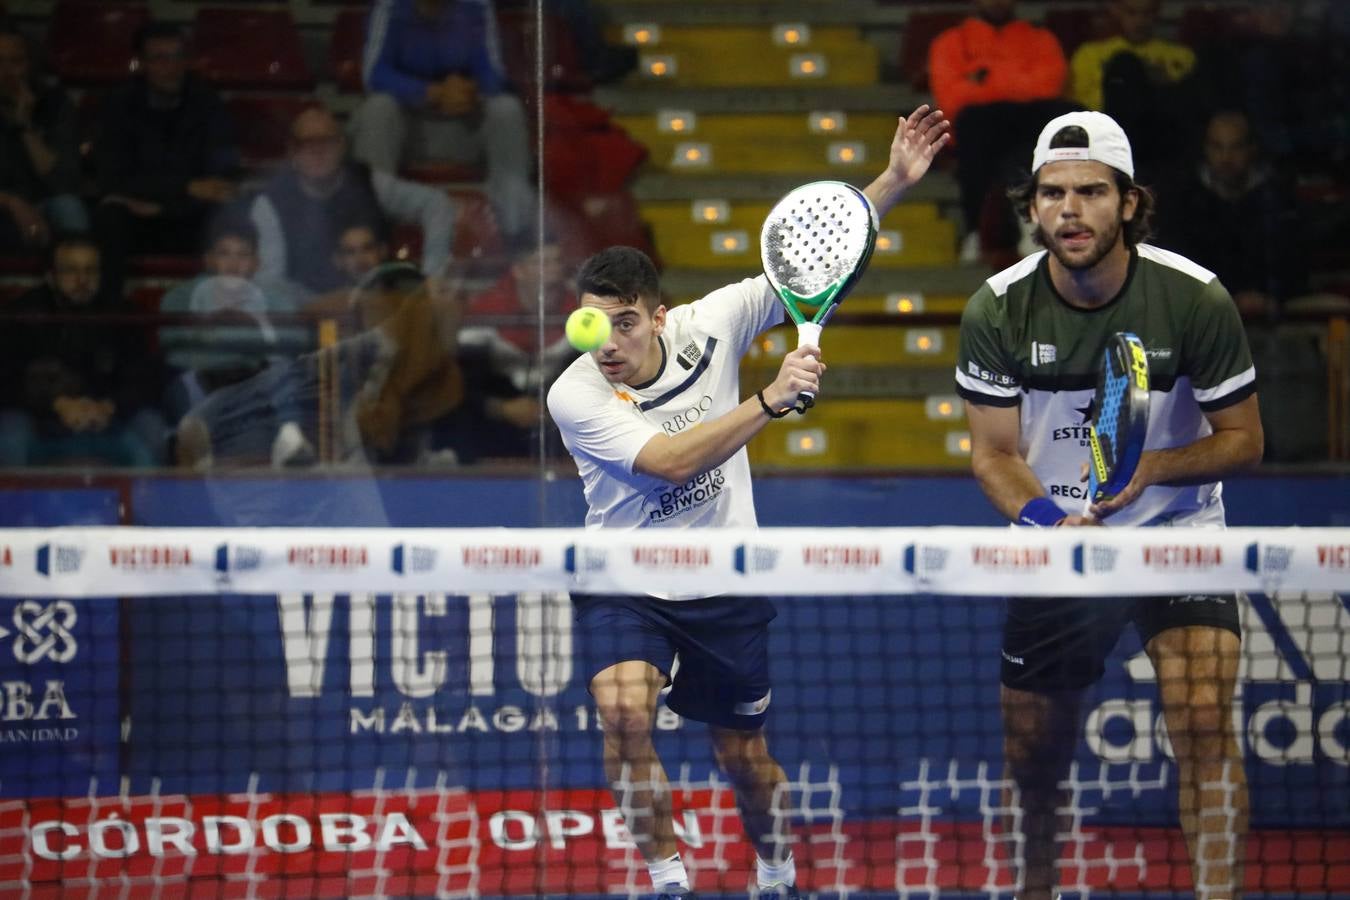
(500, 557)
(750, 559)
(1183, 557)
(58, 559)
(1009, 558)
(1269, 559)
(580, 560)
(238, 558)
(328, 557)
(409, 559)
(672, 558)
(924, 561)
(1333, 556)
(1094, 559)
(840, 557)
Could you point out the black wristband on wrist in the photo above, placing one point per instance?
(768, 410)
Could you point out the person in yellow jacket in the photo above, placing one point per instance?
(1166, 61)
(1139, 79)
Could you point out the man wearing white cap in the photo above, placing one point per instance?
(1031, 340)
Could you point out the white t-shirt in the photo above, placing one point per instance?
(604, 426)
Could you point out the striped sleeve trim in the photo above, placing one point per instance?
(981, 399)
(1000, 283)
(1227, 392)
(1176, 261)
(978, 391)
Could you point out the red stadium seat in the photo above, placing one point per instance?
(563, 69)
(263, 124)
(920, 30)
(1075, 27)
(250, 48)
(92, 43)
(344, 50)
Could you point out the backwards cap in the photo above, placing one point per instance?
(1107, 142)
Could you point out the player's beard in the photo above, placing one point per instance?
(1102, 243)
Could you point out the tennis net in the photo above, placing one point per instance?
(403, 712)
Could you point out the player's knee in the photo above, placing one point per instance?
(741, 755)
(625, 711)
(1201, 726)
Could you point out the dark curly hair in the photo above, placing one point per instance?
(1136, 231)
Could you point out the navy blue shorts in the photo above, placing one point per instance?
(1056, 643)
(722, 643)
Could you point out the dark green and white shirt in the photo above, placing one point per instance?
(1022, 344)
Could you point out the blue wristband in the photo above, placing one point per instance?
(1041, 512)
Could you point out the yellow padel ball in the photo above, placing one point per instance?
(587, 329)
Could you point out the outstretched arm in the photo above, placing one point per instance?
(917, 140)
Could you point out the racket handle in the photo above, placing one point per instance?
(808, 335)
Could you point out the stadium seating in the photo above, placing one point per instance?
(743, 56)
(92, 43)
(344, 49)
(250, 48)
(912, 235)
(263, 124)
(563, 69)
(920, 30)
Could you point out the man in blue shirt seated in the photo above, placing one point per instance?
(433, 72)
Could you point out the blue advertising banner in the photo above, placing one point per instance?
(59, 679)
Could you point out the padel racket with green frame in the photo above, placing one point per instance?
(1116, 439)
(814, 244)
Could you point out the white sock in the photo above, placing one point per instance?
(669, 872)
(768, 875)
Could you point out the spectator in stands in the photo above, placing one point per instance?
(237, 336)
(437, 91)
(39, 155)
(500, 350)
(299, 212)
(76, 388)
(996, 77)
(1237, 217)
(360, 248)
(535, 284)
(1142, 81)
(165, 156)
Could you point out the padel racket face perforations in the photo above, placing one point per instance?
(1117, 436)
(814, 244)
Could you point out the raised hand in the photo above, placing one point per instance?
(917, 140)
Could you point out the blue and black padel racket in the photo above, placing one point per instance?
(1117, 435)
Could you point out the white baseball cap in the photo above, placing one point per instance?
(1107, 142)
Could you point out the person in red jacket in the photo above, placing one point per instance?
(997, 78)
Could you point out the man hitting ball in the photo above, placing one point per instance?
(654, 418)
